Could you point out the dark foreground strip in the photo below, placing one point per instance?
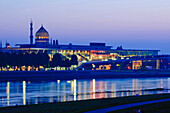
(109, 109)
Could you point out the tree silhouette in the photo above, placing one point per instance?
(25, 59)
(33, 60)
(45, 59)
(122, 66)
(66, 63)
(13, 60)
(7, 59)
(1, 60)
(74, 60)
(20, 60)
(57, 60)
(37, 59)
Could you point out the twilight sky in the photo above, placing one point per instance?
(137, 24)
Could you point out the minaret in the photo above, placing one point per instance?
(31, 32)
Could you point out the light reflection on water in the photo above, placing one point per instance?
(35, 92)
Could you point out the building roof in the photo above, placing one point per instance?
(42, 32)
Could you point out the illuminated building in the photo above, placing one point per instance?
(7, 45)
(91, 52)
(134, 63)
(41, 37)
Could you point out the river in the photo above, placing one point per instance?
(43, 91)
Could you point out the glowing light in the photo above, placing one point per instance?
(117, 64)
(36, 101)
(157, 64)
(121, 94)
(41, 41)
(51, 99)
(74, 91)
(79, 91)
(8, 91)
(106, 94)
(85, 86)
(58, 90)
(68, 81)
(64, 93)
(58, 81)
(94, 88)
(114, 89)
(84, 61)
(41, 37)
(113, 58)
(24, 93)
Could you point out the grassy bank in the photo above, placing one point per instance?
(81, 106)
(162, 107)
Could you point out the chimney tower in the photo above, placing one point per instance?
(31, 32)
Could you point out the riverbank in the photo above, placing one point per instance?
(161, 107)
(88, 74)
(82, 106)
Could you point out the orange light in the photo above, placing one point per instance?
(41, 41)
(40, 37)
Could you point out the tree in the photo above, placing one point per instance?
(6, 59)
(1, 60)
(74, 60)
(14, 60)
(32, 60)
(122, 66)
(20, 60)
(65, 63)
(45, 59)
(57, 60)
(26, 60)
(37, 61)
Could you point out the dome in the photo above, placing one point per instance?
(42, 36)
(42, 32)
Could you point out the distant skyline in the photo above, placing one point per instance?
(136, 24)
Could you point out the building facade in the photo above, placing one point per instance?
(92, 52)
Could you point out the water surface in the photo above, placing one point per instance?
(33, 92)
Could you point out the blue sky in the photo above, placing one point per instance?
(132, 23)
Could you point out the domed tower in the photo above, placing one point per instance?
(42, 37)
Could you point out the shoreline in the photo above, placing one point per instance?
(83, 105)
(88, 74)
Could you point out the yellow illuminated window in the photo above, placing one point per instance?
(40, 37)
(41, 41)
